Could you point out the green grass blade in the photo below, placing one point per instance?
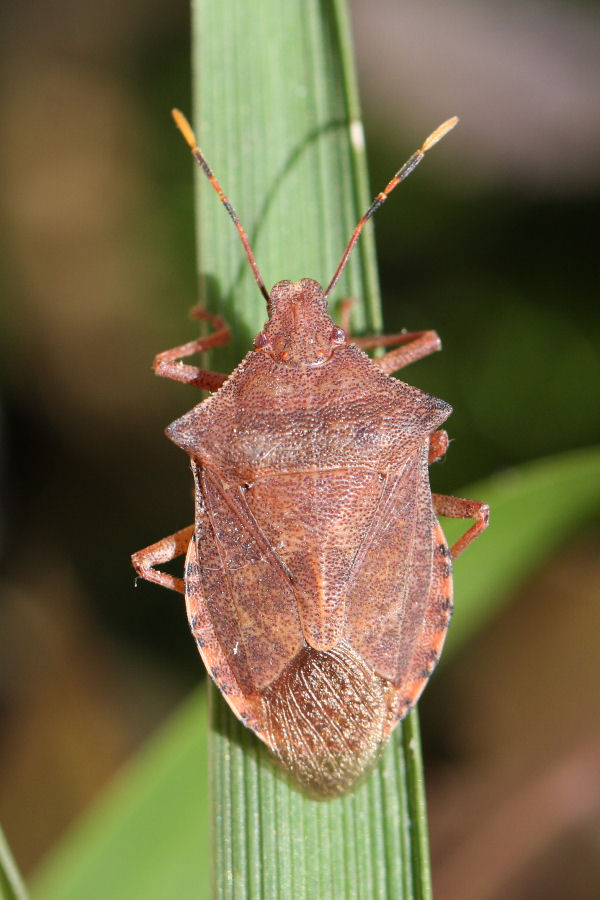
(276, 113)
(11, 883)
(270, 841)
(146, 836)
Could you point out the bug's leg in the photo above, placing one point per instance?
(412, 345)
(457, 508)
(438, 444)
(345, 308)
(162, 552)
(168, 364)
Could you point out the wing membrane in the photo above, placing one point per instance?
(316, 520)
(247, 591)
(390, 582)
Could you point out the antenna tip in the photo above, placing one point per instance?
(440, 132)
(184, 127)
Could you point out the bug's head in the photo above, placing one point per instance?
(299, 331)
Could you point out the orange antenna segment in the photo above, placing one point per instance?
(186, 130)
(402, 173)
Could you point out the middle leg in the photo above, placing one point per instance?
(458, 508)
(438, 444)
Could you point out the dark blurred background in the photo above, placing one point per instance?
(495, 246)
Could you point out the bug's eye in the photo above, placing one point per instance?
(338, 335)
(261, 340)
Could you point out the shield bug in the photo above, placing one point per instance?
(318, 582)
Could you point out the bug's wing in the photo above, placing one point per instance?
(437, 612)
(391, 577)
(316, 520)
(244, 707)
(247, 591)
(326, 718)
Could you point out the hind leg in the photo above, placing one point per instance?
(458, 508)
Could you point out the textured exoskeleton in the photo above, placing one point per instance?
(318, 581)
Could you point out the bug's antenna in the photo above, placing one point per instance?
(186, 130)
(402, 173)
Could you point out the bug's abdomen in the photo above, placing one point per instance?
(326, 718)
(328, 715)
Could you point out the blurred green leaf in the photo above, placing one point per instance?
(11, 884)
(533, 510)
(148, 836)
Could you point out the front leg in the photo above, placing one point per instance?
(168, 364)
(160, 553)
(410, 345)
(457, 508)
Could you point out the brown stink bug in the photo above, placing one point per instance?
(318, 582)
